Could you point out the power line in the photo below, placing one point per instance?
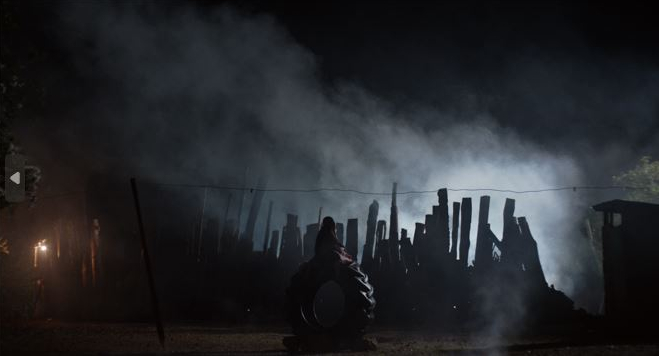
(346, 190)
(361, 192)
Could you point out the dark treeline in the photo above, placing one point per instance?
(208, 268)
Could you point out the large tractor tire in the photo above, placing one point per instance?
(358, 302)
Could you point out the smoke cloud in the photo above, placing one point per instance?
(178, 94)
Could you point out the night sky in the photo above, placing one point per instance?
(576, 73)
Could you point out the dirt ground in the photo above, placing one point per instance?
(54, 338)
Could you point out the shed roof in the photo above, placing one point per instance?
(626, 206)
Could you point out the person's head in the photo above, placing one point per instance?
(328, 224)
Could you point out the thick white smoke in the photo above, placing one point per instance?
(189, 97)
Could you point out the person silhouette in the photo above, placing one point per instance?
(328, 247)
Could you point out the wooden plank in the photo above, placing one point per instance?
(531, 258)
(274, 245)
(309, 240)
(267, 229)
(340, 232)
(379, 233)
(510, 237)
(254, 213)
(291, 244)
(352, 238)
(454, 231)
(369, 244)
(465, 229)
(419, 243)
(443, 223)
(483, 258)
(407, 252)
(394, 253)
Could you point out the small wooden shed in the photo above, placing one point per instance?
(630, 251)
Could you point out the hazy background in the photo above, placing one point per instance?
(353, 96)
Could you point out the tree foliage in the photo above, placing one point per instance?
(644, 176)
(16, 56)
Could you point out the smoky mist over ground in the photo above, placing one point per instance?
(184, 94)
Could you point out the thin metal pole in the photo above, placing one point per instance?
(224, 225)
(267, 229)
(201, 225)
(147, 262)
(242, 201)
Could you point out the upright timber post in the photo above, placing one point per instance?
(367, 253)
(407, 252)
(454, 231)
(340, 232)
(254, 213)
(380, 231)
(393, 230)
(465, 227)
(352, 237)
(309, 241)
(430, 241)
(442, 222)
(510, 241)
(274, 245)
(531, 256)
(267, 229)
(147, 263)
(419, 244)
(290, 250)
(431, 229)
(483, 243)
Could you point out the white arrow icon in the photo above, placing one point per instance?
(16, 178)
